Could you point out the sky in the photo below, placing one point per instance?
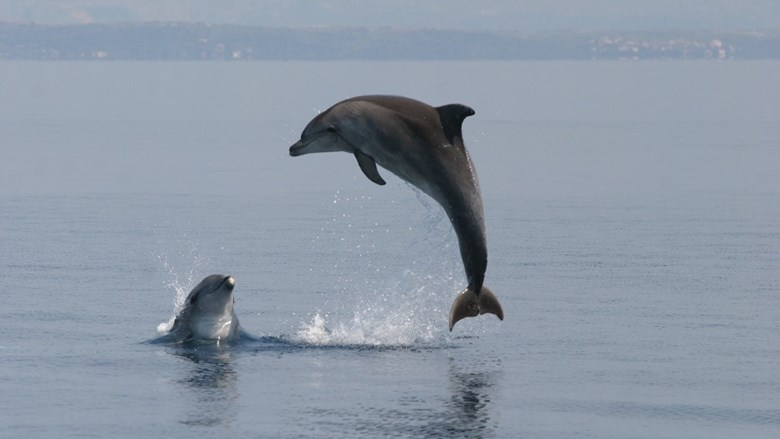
(472, 15)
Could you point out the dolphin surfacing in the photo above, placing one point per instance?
(422, 145)
(207, 314)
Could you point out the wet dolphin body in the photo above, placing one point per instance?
(207, 313)
(424, 146)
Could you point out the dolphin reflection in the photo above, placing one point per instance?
(212, 381)
(472, 392)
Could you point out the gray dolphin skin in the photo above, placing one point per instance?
(207, 314)
(422, 145)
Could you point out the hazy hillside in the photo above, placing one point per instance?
(178, 41)
(462, 15)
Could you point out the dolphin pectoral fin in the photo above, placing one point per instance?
(465, 305)
(470, 304)
(488, 303)
(368, 166)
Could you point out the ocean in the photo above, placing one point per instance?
(633, 221)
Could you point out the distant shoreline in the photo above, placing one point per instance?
(200, 42)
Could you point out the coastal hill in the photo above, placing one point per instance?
(187, 41)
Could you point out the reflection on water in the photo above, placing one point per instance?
(462, 405)
(472, 393)
(467, 411)
(211, 380)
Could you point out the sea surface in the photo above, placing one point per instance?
(633, 220)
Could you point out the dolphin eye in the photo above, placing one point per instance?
(332, 129)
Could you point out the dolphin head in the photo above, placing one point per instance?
(336, 129)
(214, 294)
(208, 311)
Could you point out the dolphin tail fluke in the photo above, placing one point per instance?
(470, 304)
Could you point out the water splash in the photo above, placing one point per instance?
(181, 281)
(374, 326)
(394, 276)
(414, 320)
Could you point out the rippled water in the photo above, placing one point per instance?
(632, 214)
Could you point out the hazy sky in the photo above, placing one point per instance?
(442, 14)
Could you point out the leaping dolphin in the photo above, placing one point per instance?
(424, 146)
(207, 314)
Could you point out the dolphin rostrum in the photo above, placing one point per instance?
(424, 146)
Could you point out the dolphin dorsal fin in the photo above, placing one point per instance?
(452, 116)
(368, 166)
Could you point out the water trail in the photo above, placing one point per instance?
(374, 323)
(395, 274)
(379, 319)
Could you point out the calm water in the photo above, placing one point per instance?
(633, 216)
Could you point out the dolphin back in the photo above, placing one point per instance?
(476, 299)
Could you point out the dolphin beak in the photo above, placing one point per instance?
(295, 150)
(230, 282)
